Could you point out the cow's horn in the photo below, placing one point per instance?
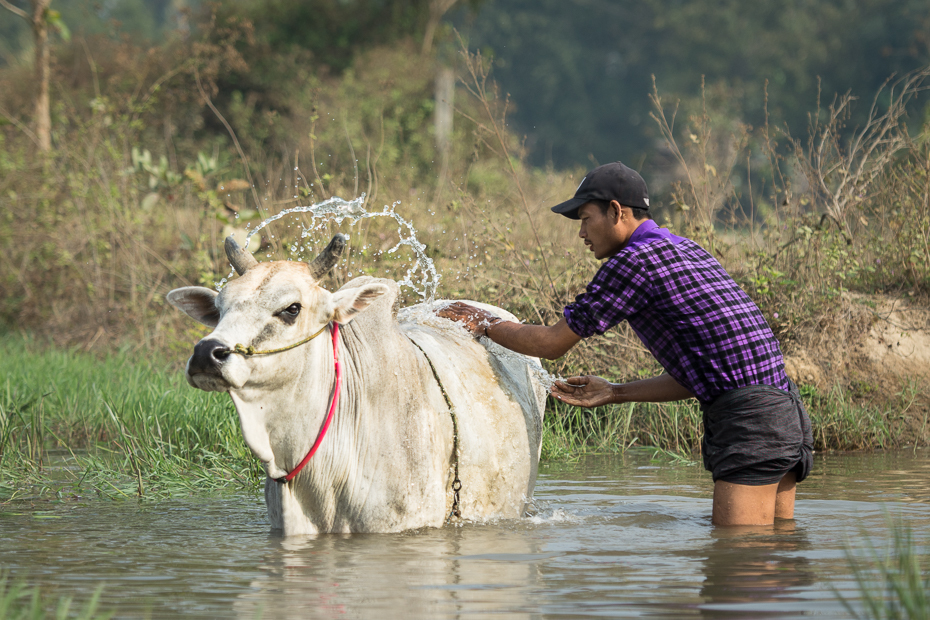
(240, 258)
(328, 257)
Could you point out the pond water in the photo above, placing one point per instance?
(614, 536)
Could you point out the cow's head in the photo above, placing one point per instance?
(269, 306)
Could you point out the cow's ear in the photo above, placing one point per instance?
(349, 302)
(197, 302)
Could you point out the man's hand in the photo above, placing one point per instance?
(473, 319)
(587, 391)
(593, 391)
(533, 340)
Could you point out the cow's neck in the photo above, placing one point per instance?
(276, 420)
(374, 363)
(281, 425)
(368, 452)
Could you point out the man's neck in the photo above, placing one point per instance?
(630, 229)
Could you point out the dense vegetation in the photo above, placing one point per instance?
(159, 150)
(580, 72)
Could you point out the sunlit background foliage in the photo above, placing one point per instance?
(790, 138)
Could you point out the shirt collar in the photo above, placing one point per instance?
(649, 231)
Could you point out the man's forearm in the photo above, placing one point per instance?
(661, 389)
(535, 340)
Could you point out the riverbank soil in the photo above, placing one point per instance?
(875, 347)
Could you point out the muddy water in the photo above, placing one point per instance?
(621, 536)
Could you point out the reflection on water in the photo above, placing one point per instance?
(752, 572)
(613, 536)
(420, 575)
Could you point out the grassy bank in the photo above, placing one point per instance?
(118, 427)
(839, 422)
(127, 426)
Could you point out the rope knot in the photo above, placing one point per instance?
(243, 350)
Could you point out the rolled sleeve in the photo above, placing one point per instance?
(619, 289)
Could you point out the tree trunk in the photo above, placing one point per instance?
(43, 118)
(445, 104)
(437, 8)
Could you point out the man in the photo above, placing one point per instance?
(712, 340)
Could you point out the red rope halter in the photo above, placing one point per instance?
(329, 416)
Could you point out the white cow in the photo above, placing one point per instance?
(386, 463)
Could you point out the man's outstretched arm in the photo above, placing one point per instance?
(535, 340)
(593, 391)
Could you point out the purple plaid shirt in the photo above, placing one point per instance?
(697, 322)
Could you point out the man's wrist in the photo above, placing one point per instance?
(491, 323)
(617, 393)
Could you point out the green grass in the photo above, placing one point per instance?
(673, 429)
(839, 422)
(893, 583)
(122, 426)
(20, 602)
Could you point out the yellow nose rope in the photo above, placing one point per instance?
(249, 351)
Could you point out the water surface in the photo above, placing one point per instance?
(614, 536)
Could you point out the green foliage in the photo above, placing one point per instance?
(158, 156)
(893, 583)
(840, 421)
(333, 32)
(120, 426)
(672, 430)
(144, 20)
(766, 278)
(58, 24)
(160, 175)
(580, 73)
(18, 602)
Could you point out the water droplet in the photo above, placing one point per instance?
(421, 276)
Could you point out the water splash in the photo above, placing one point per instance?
(544, 377)
(555, 516)
(421, 276)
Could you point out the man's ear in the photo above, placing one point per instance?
(197, 302)
(349, 302)
(616, 211)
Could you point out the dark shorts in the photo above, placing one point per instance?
(756, 434)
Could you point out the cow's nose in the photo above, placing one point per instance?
(208, 355)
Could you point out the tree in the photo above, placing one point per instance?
(437, 9)
(40, 20)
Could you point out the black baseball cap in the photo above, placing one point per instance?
(608, 182)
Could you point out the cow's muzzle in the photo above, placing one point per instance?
(214, 368)
(208, 356)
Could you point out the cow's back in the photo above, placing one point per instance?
(498, 403)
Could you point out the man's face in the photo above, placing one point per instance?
(599, 230)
